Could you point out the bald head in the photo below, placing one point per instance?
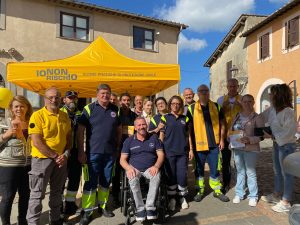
(203, 93)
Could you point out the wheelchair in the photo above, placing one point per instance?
(128, 208)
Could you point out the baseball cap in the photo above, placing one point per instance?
(71, 93)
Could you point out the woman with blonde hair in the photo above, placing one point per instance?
(245, 155)
(15, 160)
(147, 110)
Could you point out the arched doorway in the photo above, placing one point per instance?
(265, 99)
(262, 97)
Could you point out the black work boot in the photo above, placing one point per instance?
(105, 212)
(221, 196)
(57, 222)
(85, 219)
(70, 208)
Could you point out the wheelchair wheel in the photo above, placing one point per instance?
(122, 191)
(125, 203)
(161, 205)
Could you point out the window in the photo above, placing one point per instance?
(143, 38)
(264, 46)
(73, 26)
(292, 32)
(34, 98)
(228, 70)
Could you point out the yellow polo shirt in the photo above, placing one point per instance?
(53, 128)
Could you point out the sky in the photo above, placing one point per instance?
(208, 20)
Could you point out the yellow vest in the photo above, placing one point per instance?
(199, 125)
(231, 112)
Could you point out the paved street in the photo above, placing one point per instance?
(211, 211)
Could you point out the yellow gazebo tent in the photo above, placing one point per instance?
(98, 63)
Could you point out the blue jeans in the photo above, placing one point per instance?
(212, 157)
(283, 182)
(100, 170)
(245, 163)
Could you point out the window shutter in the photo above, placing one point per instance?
(265, 49)
(294, 32)
(228, 72)
(286, 25)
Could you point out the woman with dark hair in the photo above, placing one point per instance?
(280, 117)
(15, 160)
(161, 106)
(245, 155)
(175, 136)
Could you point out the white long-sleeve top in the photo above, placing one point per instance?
(283, 125)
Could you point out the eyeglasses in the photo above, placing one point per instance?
(175, 103)
(203, 91)
(52, 98)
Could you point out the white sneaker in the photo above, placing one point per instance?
(281, 207)
(236, 199)
(252, 202)
(184, 204)
(172, 204)
(270, 198)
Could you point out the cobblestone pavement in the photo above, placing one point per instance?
(211, 211)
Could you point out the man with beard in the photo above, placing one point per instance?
(114, 99)
(142, 155)
(127, 118)
(50, 131)
(74, 166)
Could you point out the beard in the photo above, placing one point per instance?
(71, 106)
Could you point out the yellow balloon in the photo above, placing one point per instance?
(5, 97)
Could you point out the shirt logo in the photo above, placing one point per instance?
(151, 145)
(113, 114)
(135, 147)
(182, 122)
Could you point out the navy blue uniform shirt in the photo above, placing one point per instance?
(155, 120)
(142, 154)
(176, 133)
(208, 124)
(101, 127)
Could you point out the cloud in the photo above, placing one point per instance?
(204, 15)
(190, 45)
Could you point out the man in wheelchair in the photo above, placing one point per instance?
(142, 155)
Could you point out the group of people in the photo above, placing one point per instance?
(53, 144)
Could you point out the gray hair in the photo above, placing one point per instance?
(103, 87)
(188, 89)
(53, 88)
(233, 80)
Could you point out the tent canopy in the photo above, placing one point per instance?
(98, 63)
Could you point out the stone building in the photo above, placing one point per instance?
(229, 60)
